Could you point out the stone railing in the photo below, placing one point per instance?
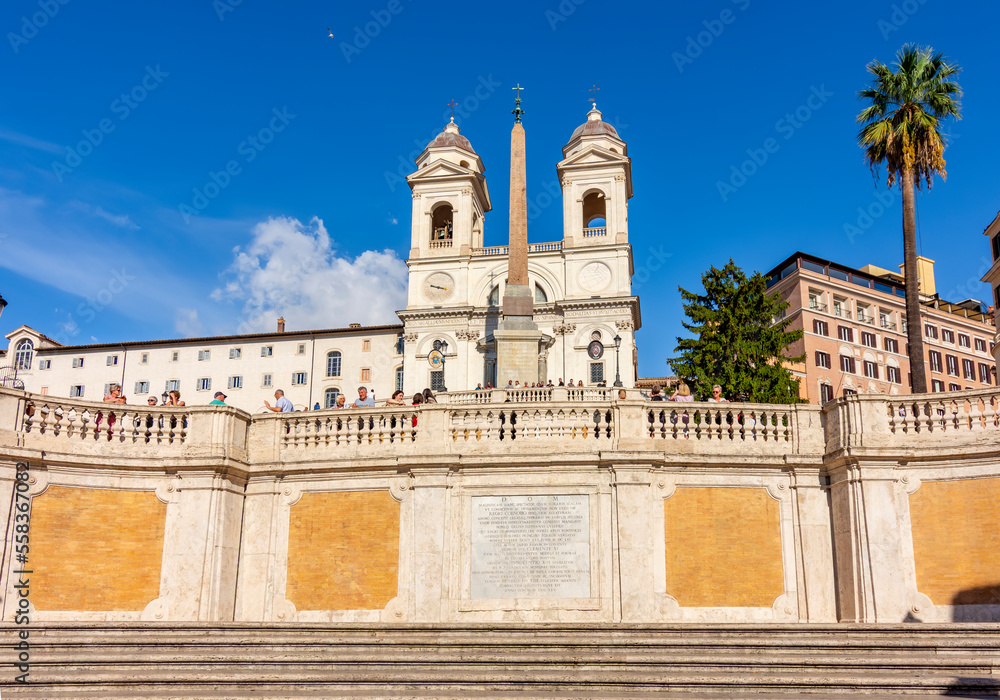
(528, 395)
(595, 231)
(937, 413)
(91, 430)
(721, 422)
(346, 427)
(447, 243)
(468, 397)
(549, 247)
(532, 425)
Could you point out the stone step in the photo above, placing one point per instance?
(201, 660)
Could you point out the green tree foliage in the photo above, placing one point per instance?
(902, 132)
(736, 342)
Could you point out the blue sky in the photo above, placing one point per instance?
(314, 222)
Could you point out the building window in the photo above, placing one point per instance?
(596, 372)
(24, 354)
(893, 374)
(952, 365)
(266, 350)
(112, 360)
(840, 308)
(891, 345)
(935, 359)
(820, 327)
(330, 397)
(76, 391)
(366, 374)
(868, 339)
(969, 369)
(964, 341)
(235, 382)
(399, 379)
(847, 364)
(865, 314)
(333, 364)
(885, 320)
(204, 355)
(141, 387)
(825, 393)
(947, 336)
(144, 358)
(930, 331)
(816, 300)
(366, 345)
(822, 359)
(299, 378)
(845, 333)
(265, 380)
(77, 362)
(984, 373)
(437, 380)
(204, 384)
(45, 364)
(980, 345)
(996, 246)
(173, 385)
(849, 392)
(301, 349)
(954, 387)
(937, 385)
(871, 369)
(235, 353)
(173, 356)
(400, 344)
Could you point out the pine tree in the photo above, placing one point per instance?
(737, 342)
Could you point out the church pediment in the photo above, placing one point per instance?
(441, 169)
(594, 155)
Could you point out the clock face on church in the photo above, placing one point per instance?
(438, 287)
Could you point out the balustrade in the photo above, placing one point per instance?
(595, 231)
(939, 413)
(537, 423)
(114, 423)
(341, 428)
(721, 422)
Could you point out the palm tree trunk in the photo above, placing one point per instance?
(914, 325)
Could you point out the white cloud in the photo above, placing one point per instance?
(122, 220)
(186, 323)
(29, 141)
(292, 269)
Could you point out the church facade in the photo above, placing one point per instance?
(581, 284)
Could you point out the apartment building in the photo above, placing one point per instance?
(312, 366)
(992, 276)
(854, 330)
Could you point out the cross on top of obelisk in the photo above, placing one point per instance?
(517, 104)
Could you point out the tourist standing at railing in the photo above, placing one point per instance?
(281, 404)
(479, 387)
(115, 395)
(396, 399)
(174, 398)
(561, 382)
(683, 393)
(429, 396)
(341, 400)
(654, 393)
(717, 396)
(363, 400)
(219, 400)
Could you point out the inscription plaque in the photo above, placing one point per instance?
(530, 547)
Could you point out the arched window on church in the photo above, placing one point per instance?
(330, 397)
(494, 298)
(540, 296)
(333, 364)
(24, 353)
(595, 221)
(442, 226)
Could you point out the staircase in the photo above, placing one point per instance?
(237, 660)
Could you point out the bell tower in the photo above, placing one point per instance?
(450, 197)
(596, 177)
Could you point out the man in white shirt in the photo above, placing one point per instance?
(717, 395)
(282, 405)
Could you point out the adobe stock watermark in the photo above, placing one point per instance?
(870, 213)
(562, 12)
(901, 13)
(786, 127)
(249, 148)
(31, 25)
(485, 87)
(122, 107)
(223, 7)
(974, 284)
(364, 34)
(696, 44)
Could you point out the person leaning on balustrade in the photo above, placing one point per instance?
(396, 400)
(115, 395)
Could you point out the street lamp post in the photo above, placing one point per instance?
(618, 376)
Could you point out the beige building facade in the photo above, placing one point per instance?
(992, 276)
(854, 331)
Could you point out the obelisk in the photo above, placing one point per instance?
(517, 337)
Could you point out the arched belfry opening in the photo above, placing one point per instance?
(595, 210)
(442, 223)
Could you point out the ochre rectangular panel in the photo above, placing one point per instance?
(956, 540)
(723, 547)
(343, 551)
(96, 550)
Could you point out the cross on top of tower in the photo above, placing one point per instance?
(517, 103)
(593, 94)
(453, 104)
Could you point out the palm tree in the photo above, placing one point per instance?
(902, 132)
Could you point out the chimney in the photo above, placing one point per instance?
(281, 324)
(355, 325)
(925, 276)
